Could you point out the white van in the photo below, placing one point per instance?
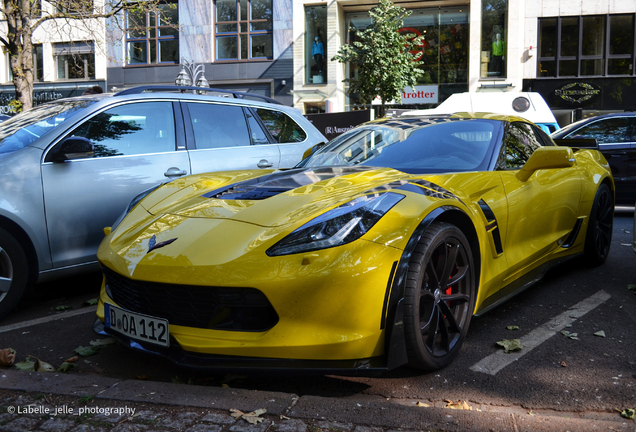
(529, 105)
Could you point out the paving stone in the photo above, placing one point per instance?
(205, 428)
(292, 425)
(21, 424)
(222, 419)
(244, 426)
(180, 421)
(367, 429)
(129, 427)
(57, 425)
(147, 415)
(112, 418)
(335, 426)
(88, 428)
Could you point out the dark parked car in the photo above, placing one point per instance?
(616, 136)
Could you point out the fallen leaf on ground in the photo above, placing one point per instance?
(628, 414)
(71, 359)
(632, 287)
(459, 405)
(282, 417)
(62, 308)
(563, 364)
(102, 342)
(422, 404)
(513, 327)
(86, 351)
(7, 357)
(43, 366)
(91, 302)
(66, 366)
(252, 417)
(600, 333)
(572, 336)
(510, 345)
(26, 366)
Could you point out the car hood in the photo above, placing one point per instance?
(277, 198)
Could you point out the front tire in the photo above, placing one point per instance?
(600, 226)
(13, 272)
(439, 297)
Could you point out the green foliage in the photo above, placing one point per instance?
(382, 56)
(15, 106)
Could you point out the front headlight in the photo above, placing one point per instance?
(133, 203)
(339, 226)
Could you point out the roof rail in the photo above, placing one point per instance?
(168, 88)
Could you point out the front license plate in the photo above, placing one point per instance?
(137, 326)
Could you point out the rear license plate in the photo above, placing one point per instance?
(137, 326)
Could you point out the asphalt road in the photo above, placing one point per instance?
(552, 371)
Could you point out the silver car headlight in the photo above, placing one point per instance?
(338, 226)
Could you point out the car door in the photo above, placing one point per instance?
(227, 137)
(542, 210)
(291, 138)
(614, 138)
(135, 148)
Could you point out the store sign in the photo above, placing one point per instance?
(415, 95)
(333, 124)
(577, 92)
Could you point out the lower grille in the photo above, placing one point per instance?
(218, 308)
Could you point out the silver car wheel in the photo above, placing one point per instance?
(6, 273)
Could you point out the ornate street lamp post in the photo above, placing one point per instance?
(191, 73)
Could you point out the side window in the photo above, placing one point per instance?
(218, 126)
(258, 134)
(543, 137)
(519, 144)
(132, 129)
(607, 131)
(281, 126)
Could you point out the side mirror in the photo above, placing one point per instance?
(312, 150)
(547, 158)
(74, 148)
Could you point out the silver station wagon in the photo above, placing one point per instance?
(69, 168)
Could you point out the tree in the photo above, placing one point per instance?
(24, 17)
(387, 61)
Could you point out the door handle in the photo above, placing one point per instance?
(174, 172)
(264, 163)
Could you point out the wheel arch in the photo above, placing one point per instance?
(27, 245)
(395, 347)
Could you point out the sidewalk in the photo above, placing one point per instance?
(81, 403)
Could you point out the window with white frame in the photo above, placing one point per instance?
(74, 60)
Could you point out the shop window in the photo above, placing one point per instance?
(315, 44)
(153, 36)
(494, 19)
(74, 60)
(576, 46)
(243, 29)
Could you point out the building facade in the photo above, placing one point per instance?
(69, 56)
(243, 45)
(576, 53)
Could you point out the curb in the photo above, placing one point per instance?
(363, 411)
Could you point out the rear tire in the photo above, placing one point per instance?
(14, 272)
(599, 229)
(439, 297)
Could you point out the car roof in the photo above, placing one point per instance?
(574, 126)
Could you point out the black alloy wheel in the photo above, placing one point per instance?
(439, 297)
(600, 226)
(13, 272)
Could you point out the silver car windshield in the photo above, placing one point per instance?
(21, 130)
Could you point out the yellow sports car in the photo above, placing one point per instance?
(373, 253)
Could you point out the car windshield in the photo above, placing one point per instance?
(21, 130)
(423, 146)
